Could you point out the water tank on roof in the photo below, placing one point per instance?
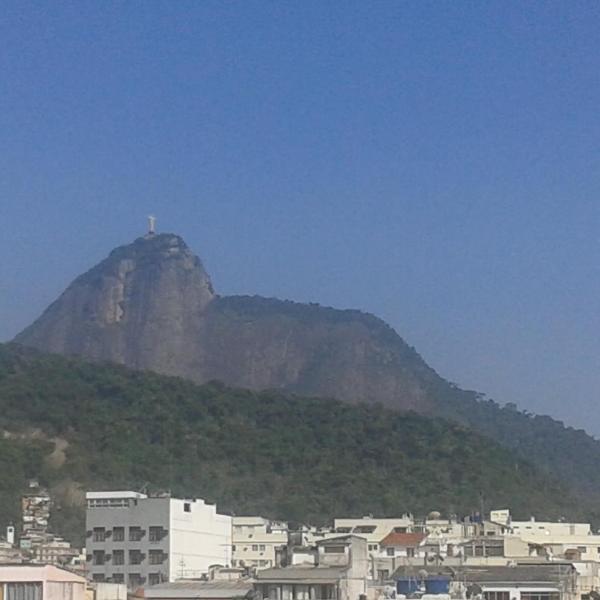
(407, 585)
(437, 585)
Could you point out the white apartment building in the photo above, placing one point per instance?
(136, 539)
(543, 529)
(257, 542)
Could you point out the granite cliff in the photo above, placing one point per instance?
(151, 305)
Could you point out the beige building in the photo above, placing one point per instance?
(533, 528)
(340, 573)
(372, 529)
(257, 542)
(27, 582)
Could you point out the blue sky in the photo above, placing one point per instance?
(436, 164)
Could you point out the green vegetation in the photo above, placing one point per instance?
(267, 453)
(564, 452)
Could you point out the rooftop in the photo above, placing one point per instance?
(200, 589)
(305, 573)
(531, 574)
(409, 540)
(114, 495)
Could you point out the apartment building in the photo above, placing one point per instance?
(137, 539)
(340, 572)
(541, 529)
(257, 542)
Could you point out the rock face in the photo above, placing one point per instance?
(151, 305)
(138, 307)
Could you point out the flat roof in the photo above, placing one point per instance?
(305, 573)
(113, 495)
(200, 589)
(28, 572)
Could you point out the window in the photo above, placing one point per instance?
(23, 591)
(255, 548)
(399, 529)
(581, 549)
(135, 579)
(334, 549)
(496, 595)
(187, 507)
(383, 574)
(540, 595)
(364, 529)
(390, 551)
(118, 534)
(118, 578)
(262, 547)
(410, 552)
(99, 534)
(98, 577)
(135, 534)
(372, 547)
(98, 557)
(233, 548)
(155, 533)
(135, 557)
(118, 557)
(495, 550)
(155, 557)
(154, 578)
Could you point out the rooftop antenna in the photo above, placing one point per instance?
(151, 225)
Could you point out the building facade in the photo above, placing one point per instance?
(340, 573)
(257, 542)
(139, 540)
(27, 582)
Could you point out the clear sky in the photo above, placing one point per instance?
(437, 164)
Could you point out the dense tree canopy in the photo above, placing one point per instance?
(293, 458)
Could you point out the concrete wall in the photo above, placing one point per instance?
(57, 584)
(143, 513)
(200, 538)
(257, 541)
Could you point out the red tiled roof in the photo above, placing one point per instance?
(409, 540)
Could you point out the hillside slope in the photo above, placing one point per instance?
(252, 452)
(151, 305)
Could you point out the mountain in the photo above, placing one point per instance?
(77, 425)
(151, 305)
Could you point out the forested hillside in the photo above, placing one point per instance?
(251, 452)
(151, 305)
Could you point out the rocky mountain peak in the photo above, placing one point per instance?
(151, 305)
(133, 307)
